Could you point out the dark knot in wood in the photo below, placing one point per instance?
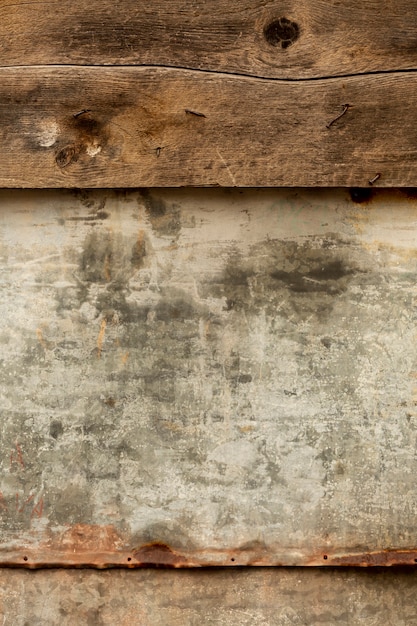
(282, 32)
(66, 156)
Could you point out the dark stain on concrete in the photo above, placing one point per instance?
(109, 261)
(233, 371)
(314, 272)
(90, 199)
(176, 304)
(100, 215)
(70, 506)
(160, 384)
(98, 258)
(165, 219)
(327, 342)
(327, 276)
(139, 251)
(56, 429)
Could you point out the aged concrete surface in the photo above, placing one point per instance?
(228, 597)
(208, 377)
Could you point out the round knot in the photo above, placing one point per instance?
(282, 32)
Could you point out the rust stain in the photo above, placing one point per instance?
(89, 538)
(16, 456)
(41, 340)
(102, 547)
(46, 345)
(27, 501)
(100, 337)
(382, 558)
(38, 509)
(93, 546)
(246, 429)
(407, 254)
(158, 555)
(140, 241)
(107, 268)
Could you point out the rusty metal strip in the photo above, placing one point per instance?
(163, 556)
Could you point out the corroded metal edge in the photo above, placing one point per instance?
(159, 555)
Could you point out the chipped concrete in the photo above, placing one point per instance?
(228, 373)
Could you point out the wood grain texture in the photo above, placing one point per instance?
(220, 597)
(129, 127)
(334, 37)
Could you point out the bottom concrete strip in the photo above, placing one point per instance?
(252, 597)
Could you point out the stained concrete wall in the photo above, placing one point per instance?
(229, 375)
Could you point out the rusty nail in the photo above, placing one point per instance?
(81, 113)
(190, 112)
(345, 108)
(374, 179)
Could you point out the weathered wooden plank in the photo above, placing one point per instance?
(228, 597)
(221, 377)
(98, 127)
(320, 37)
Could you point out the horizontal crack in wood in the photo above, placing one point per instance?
(237, 75)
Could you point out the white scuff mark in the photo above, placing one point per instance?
(48, 134)
(93, 150)
(312, 280)
(34, 261)
(62, 284)
(229, 171)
